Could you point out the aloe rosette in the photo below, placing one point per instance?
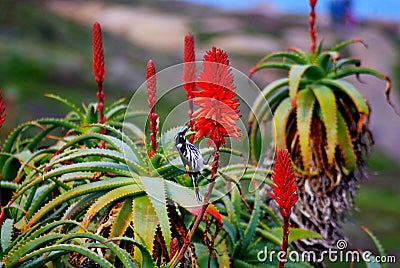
(322, 119)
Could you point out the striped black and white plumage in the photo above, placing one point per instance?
(191, 158)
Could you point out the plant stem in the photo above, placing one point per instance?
(100, 107)
(312, 29)
(285, 239)
(203, 209)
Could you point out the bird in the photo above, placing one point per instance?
(191, 158)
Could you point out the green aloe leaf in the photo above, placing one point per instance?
(327, 103)
(346, 145)
(123, 219)
(349, 90)
(296, 233)
(145, 221)
(377, 243)
(69, 104)
(76, 192)
(156, 191)
(108, 198)
(6, 233)
(281, 117)
(305, 109)
(68, 248)
(253, 223)
(295, 74)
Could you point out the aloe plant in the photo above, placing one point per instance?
(322, 119)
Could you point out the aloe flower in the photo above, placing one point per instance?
(151, 83)
(189, 71)
(217, 100)
(284, 193)
(99, 72)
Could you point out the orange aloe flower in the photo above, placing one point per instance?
(217, 100)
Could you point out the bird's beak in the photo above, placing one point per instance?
(184, 129)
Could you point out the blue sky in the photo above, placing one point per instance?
(381, 9)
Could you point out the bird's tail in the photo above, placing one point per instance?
(196, 186)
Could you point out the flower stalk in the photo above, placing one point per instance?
(312, 29)
(99, 72)
(215, 118)
(151, 83)
(285, 194)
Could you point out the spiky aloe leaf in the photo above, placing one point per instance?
(296, 233)
(295, 74)
(252, 224)
(267, 92)
(105, 200)
(67, 248)
(346, 43)
(21, 251)
(235, 218)
(305, 109)
(346, 145)
(69, 104)
(123, 219)
(378, 244)
(327, 103)
(156, 191)
(281, 117)
(167, 142)
(349, 90)
(76, 192)
(145, 221)
(6, 233)
(296, 58)
(147, 261)
(124, 257)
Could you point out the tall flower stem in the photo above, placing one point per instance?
(285, 240)
(151, 83)
(189, 235)
(312, 29)
(99, 72)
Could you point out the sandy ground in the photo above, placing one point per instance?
(162, 31)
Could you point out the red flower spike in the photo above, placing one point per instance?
(189, 71)
(98, 54)
(284, 188)
(151, 83)
(2, 109)
(217, 100)
(99, 72)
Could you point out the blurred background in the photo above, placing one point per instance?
(45, 47)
